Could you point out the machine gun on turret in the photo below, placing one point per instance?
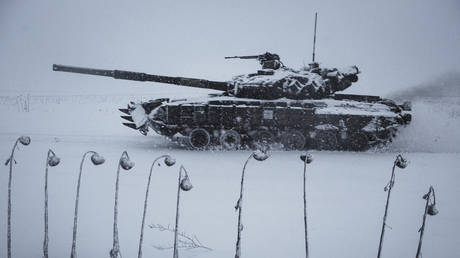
(267, 60)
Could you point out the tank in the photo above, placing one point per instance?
(276, 105)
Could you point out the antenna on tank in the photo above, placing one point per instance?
(314, 37)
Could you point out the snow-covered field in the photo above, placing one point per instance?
(345, 190)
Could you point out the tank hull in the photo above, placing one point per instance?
(340, 122)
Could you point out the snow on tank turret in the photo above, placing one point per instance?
(277, 81)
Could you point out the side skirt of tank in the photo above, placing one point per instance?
(277, 124)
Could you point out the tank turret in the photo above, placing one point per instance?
(274, 81)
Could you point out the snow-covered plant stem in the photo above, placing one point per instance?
(305, 206)
(307, 158)
(401, 163)
(169, 161)
(24, 140)
(126, 164)
(51, 160)
(185, 185)
(258, 155)
(239, 207)
(430, 209)
(97, 160)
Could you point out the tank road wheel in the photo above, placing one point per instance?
(357, 142)
(293, 140)
(327, 140)
(262, 139)
(199, 138)
(230, 140)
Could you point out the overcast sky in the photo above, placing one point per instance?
(397, 44)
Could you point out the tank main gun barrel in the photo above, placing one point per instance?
(243, 57)
(135, 76)
(262, 58)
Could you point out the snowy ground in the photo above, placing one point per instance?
(345, 190)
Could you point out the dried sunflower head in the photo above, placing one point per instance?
(260, 155)
(53, 160)
(97, 159)
(126, 163)
(169, 161)
(307, 157)
(401, 162)
(24, 140)
(185, 184)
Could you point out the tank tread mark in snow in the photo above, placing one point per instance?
(297, 108)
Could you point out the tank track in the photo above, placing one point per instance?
(359, 123)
